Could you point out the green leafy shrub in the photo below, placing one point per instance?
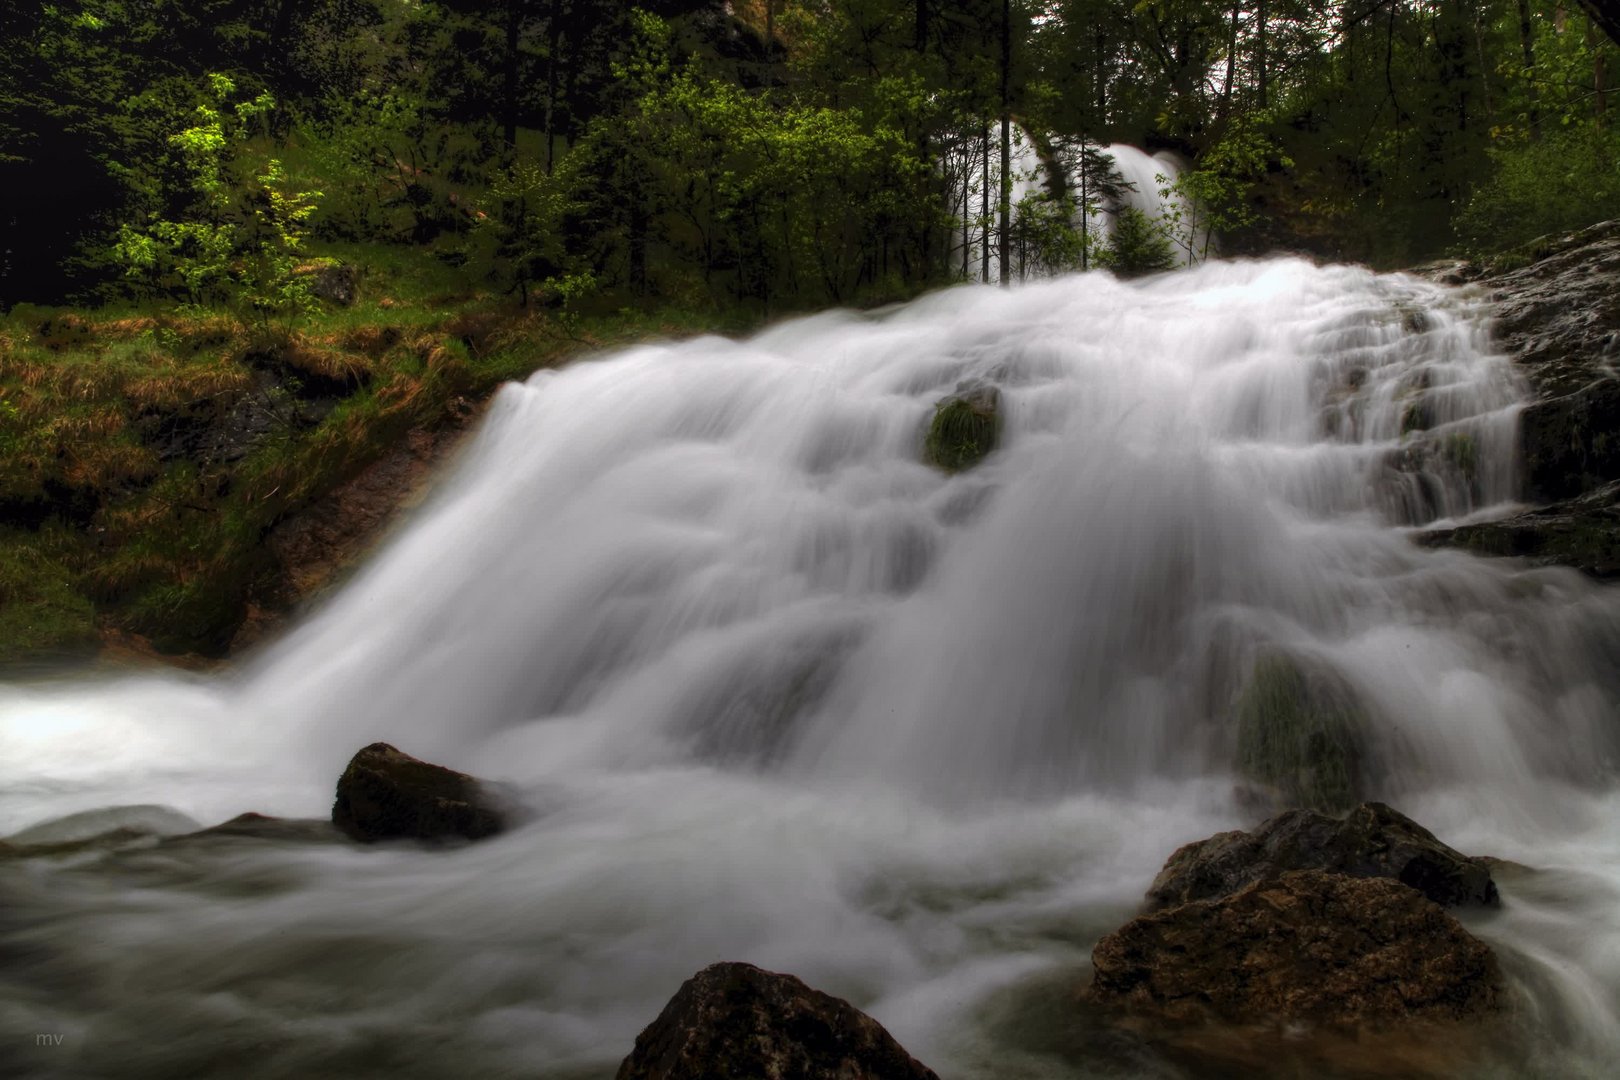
(1568, 179)
(241, 245)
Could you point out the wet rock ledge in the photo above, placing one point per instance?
(1558, 315)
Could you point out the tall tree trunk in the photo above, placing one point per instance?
(1231, 60)
(1526, 39)
(1101, 44)
(1006, 139)
(1600, 84)
(1260, 52)
(510, 89)
(984, 208)
(553, 42)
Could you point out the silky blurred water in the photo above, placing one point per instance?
(775, 690)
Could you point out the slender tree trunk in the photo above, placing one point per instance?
(1101, 44)
(1231, 60)
(967, 199)
(1600, 84)
(1526, 40)
(1260, 52)
(1006, 138)
(984, 208)
(553, 42)
(509, 93)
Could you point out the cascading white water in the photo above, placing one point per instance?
(776, 691)
(1150, 181)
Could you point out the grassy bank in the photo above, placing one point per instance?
(147, 453)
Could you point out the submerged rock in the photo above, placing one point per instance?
(736, 1020)
(1373, 841)
(386, 794)
(965, 429)
(1297, 733)
(252, 826)
(1308, 946)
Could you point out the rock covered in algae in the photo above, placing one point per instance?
(385, 794)
(737, 1020)
(1298, 736)
(965, 429)
(1372, 841)
(1307, 946)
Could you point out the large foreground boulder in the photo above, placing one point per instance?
(1306, 947)
(386, 794)
(1372, 841)
(736, 1020)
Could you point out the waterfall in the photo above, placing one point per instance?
(775, 690)
(967, 175)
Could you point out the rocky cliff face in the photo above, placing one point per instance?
(1558, 315)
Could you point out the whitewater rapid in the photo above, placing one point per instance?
(775, 690)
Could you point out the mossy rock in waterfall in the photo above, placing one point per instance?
(965, 429)
(1297, 736)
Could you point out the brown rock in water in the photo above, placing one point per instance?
(1309, 946)
(386, 794)
(736, 1020)
(1372, 841)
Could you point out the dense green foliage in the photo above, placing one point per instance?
(771, 153)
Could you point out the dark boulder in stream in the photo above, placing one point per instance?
(737, 1020)
(1332, 923)
(1305, 947)
(385, 794)
(1372, 841)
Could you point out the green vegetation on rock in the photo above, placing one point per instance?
(1297, 736)
(964, 430)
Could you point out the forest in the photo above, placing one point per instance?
(769, 154)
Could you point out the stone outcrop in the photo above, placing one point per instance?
(386, 794)
(965, 429)
(1307, 947)
(1558, 314)
(736, 1020)
(1372, 841)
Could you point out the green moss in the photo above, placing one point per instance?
(1296, 738)
(42, 614)
(1462, 451)
(964, 430)
(1417, 416)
